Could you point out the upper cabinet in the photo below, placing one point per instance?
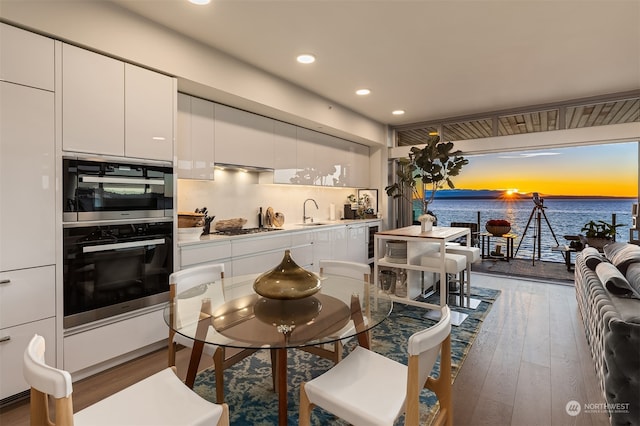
(113, 108)
(148, 121)
(285, 152)
(329, 161)
(26, 58)
(243, 138)
(196, 138)
(92, 102)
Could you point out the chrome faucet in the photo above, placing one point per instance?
(304, 210)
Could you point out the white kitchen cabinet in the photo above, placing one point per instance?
(357, 243)
(113, 108)
(196, 138)
(202, 253)
(92, 102)
(243, 138)
(357, 166)
(306, 167)
(27, 177)
(26, 58)
(148, 118)
(259, 254)
(329, 161)
(13, 342)
(27, 307)
(90, 348)
(285, 153)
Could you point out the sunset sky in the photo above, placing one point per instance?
(599, 170)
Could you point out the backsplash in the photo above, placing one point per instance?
(238, 194)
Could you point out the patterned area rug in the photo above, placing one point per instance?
(248, 384)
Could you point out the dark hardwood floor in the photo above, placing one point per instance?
(528, 361)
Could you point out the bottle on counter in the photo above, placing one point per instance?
(260, 218)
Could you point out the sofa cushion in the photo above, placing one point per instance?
(622, 255)
(592, 257)
(614, 281)
(633, 276)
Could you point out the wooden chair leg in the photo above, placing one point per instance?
(64, 412)
(39, 408)
(218, 365)
(442, 386)
(304, 418)
(224, 420)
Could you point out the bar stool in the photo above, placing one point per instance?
(455, 264)
(472, 255)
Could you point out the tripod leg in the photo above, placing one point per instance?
(550, 229)
(525, 231)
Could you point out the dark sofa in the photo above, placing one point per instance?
(608, 294)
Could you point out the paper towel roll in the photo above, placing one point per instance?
(332, 211)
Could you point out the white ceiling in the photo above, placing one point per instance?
(434, 59)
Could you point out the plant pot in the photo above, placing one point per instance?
(497, 230)
(598, 243)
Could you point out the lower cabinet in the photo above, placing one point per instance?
(13, 342)
(92, 347)
(27, 307)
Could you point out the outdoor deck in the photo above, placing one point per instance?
(548, 271)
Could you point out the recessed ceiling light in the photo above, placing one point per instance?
(363, 92)
(306, 58)
(398, 112)
(200, 2)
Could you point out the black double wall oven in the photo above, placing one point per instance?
(117, 237)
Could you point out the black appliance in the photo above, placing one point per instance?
(113, 268)
(115, 189)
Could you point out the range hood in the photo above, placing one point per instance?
(239, 167)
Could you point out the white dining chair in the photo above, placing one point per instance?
(184, 314)
(361, 271)
(366, 388)
(160, 399)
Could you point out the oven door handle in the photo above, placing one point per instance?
(117, 246)
(121, 180)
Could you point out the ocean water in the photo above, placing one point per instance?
(565, 217)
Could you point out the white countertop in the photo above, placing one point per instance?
(287, 228)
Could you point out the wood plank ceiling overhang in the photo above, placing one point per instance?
(624, 108)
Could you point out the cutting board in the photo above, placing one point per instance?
(278, 220)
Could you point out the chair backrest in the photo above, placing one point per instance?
(425, 344)
(475, 238)
(355, 270)
(42, 377)
(191, 277)
(45, 380)
(183, 310)
(348, 269)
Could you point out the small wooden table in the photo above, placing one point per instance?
(486, 242)
(566, 251)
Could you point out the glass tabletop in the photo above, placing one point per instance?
(229, 313)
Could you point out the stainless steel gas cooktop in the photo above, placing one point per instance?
(244, 231)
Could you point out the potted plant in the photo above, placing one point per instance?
(427, 169)
(599, 233)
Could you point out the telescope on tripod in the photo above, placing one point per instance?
(538, 211)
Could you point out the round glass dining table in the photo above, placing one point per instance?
(229, 313)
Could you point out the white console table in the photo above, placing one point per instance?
(418, 243)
